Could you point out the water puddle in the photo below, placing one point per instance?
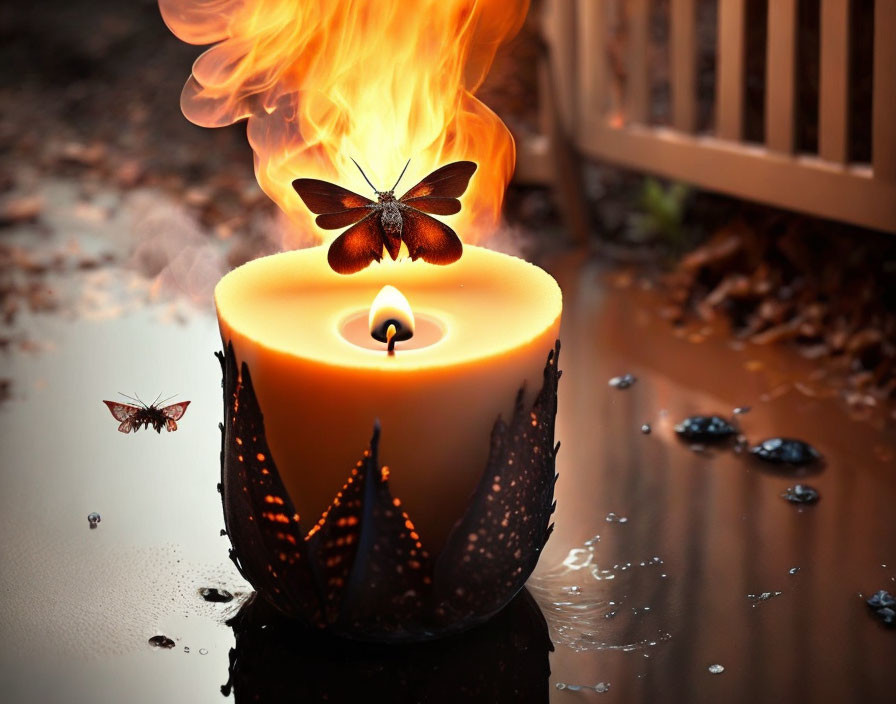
(589, 605)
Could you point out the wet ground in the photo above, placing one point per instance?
(675, 572)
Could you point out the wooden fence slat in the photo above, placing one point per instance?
(637, 87)
(883, 125)
(833, 96)
(592, 59)
(684, 64)
(780, 75)
(730, 70)
(559, 23)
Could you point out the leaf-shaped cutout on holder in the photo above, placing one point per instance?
(494, 548)
(333, 542)
(392, 575)
(259, 516)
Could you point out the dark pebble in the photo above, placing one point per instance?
(883, 604)
(886, 615)
(622, 382)
(882, 600)
(705, 428)
(219, 596)
(801, 494)
(161, 642)
(786, 451)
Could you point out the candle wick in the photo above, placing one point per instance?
(390, 338)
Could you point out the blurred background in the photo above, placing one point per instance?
(625, 113)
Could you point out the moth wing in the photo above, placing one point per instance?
(323, 197)
(122, 411)
(170, 425)
(449, 181)
(175, 411)
(126, 426)
(342, 218)
(357, 247)
(429, 239)
(433, 205)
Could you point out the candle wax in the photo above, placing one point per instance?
(494, 319)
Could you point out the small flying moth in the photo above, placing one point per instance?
(132, 417)
(390, 221)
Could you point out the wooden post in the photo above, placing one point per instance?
(883, 124)
(591, 26)
(637, 88)
(684, 65)
(833, 96)
(780, 75)
(730, 70)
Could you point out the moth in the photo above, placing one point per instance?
(132, 417)
(389, 221)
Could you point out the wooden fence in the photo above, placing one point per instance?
(606, 118)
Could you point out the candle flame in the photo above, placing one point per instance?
(391, 318)
(382, 81)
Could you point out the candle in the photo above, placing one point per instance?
(482, 328)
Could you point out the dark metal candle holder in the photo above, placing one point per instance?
(362, 571)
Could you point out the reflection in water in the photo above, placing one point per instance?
(506, 660)
(590, 606)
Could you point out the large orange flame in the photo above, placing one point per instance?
(382, 81)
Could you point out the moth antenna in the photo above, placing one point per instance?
(130, 398)
(364, 175)
(165, 400)
(157, 400)
(401, 174)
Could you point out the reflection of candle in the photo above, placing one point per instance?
(484, 326)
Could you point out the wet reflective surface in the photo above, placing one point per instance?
(667, 605)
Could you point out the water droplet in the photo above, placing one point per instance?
(645, 428)
(622, 382)
(602, 687)
(740, 410)
(186, 648)
(764, 596)
(203, 651)
(577, 559)
(94, 519)
(793, 570)
(593, 540)
(716, 669)
(801, 494)
(161, 641)
(560, 685)
(212, 594)
(613, 518)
